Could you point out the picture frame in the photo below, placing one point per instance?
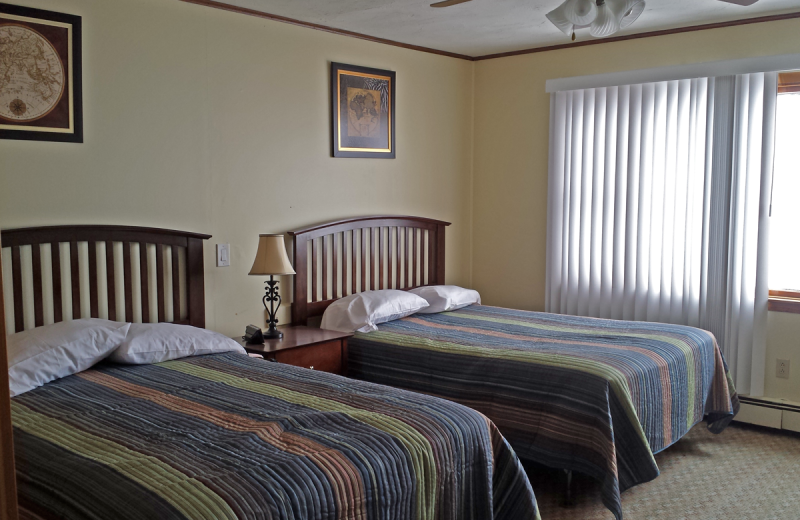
(48, 104)
(362, 112)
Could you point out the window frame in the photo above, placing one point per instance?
(788, 82)
(786, 300)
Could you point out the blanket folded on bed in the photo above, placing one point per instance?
(590, 395)
(226, 436)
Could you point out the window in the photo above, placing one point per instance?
(784, 249)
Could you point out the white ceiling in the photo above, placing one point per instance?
(484, 27)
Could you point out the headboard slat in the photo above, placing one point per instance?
(111, 281)
(58, 302)
(412, 282)
(16, 283)
(421, 256)
(353, 260)
(415, 250)
(188, 282)
(406, 261)
(407, 249)
(75, 278)
(36, 265)
(127, 275)
(325, 251)
(398, 259)
(176, 286)
(300, 305)
(438, 253)
(160, 299)
(413, 236)
(414, 253)
(337, 276)
(364, 266)
(373, 284)
(144, 282)
(431, 257)
(94, 306)
(381, 245)
(314, 271)
(196, 296)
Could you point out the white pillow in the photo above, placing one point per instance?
(443, 298)
(38, 356)
(363, 311)
(156, 342)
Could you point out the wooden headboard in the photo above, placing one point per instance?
(70, 272)
(385, 252)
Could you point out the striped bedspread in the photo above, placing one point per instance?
(595, 396)
(226, 436)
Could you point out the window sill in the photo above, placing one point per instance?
(779, 304)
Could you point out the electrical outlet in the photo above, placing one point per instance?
(223, 255)
(782, 369)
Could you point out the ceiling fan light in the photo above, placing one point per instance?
(633, 10)
(556, 16)
(608, 19)
(580, 12)
(741, 2)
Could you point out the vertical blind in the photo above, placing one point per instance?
(753, 152)
(655, 192)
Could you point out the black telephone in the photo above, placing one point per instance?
(252, 335)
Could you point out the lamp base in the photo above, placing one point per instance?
(273, 333)
(272, 296)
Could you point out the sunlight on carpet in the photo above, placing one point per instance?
(746, 472)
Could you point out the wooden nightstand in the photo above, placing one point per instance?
(306, 347)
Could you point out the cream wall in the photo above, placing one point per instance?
(511, 150)
(215, 122)
(783, 342)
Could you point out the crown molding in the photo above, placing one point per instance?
(651, 34)
(571, 45)
(324, 28)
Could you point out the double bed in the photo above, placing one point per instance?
(596, 396)
(224, 435)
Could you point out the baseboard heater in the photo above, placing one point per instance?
(772, 413)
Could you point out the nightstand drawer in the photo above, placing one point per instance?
(326, 357)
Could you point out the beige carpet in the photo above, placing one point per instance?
(747, 472)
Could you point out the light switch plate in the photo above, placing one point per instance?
(782, 369)
(223, 255)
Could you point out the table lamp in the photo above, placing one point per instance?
(271, 259)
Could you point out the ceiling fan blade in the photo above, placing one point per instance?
(740, 2)
(448, 3)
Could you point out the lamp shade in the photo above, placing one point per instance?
(633, 10)
(271, 257)
(559, 19)
(609, 17)
(580, 12)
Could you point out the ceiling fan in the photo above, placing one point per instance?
(602, 17)
(448, 3)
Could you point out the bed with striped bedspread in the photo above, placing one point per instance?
(595, 396)
(226, 436)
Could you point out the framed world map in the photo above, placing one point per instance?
(40, 75)
(362, 105)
